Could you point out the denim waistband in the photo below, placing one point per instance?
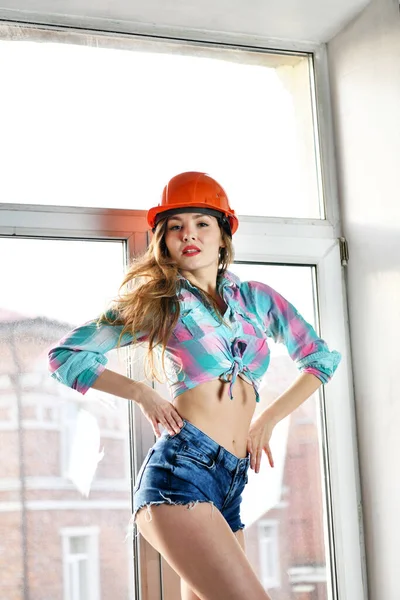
(231, 462)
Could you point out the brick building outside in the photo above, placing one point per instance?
(57, 542)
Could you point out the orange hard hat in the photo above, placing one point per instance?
(194, 190)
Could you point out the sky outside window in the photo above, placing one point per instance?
(103, 127)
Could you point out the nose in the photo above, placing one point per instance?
(188, 231)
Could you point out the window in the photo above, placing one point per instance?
(280, 499)
(269, 553)
(81, 563)
(123, 137)
(52, 470)
(104, 147)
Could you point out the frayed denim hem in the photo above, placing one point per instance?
(190, 506)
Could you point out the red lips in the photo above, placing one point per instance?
(186, 248)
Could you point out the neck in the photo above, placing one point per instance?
(204, 280)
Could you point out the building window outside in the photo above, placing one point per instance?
(269, 554)
(81, 563)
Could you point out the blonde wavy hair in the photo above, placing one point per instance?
(148, 303)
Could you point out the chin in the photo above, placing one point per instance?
(189, 267)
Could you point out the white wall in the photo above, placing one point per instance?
(365, 78)
(288, 21)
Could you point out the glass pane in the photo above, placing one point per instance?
(51, 480)
(114, 124)
(78, 545)
(73, 589)
(283, 508)
(84, 590)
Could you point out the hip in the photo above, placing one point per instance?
(190, 466)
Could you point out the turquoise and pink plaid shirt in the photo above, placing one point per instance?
(201, 348)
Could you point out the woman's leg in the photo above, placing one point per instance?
(186, 592)
(200, 546)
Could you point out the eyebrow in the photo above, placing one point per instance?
(195, 217)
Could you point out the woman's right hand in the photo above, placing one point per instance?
(157, 410)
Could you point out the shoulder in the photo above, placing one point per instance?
(267, 301)
(257, 291)
(254, 295)
(231, 279)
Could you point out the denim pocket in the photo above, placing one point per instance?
(172, 436)
(189, 453)
(142, 468)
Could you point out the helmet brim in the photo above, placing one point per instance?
(230, 223)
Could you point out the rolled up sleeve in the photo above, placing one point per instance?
(79, 358)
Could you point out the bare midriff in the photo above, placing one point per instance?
(209, 407)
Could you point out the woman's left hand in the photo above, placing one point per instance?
(258, 440)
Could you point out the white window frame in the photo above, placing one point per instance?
(268, 241)
(284, 244)
(92, 536)
(269, 580)
(276, 241)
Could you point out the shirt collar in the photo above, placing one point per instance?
(228, 279)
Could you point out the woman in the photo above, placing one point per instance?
(210, 331)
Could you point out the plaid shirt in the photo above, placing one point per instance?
(201, 348)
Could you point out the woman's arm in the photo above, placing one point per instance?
(79, 361)
(261, 428)
(157, 410)
(118, 385)
(304, 386)
(285, 325)
(309, 352)
(79, 358)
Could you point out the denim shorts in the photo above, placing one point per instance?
(190, 467)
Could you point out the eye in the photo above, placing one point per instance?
(174, 227)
